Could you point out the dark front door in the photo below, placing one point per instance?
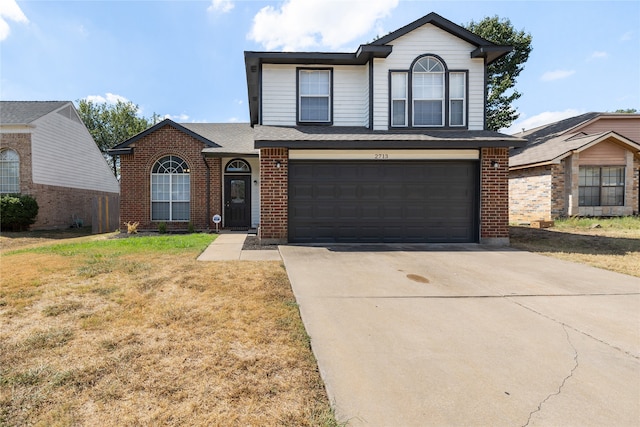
(237, 198)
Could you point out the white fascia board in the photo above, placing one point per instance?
(384, 154)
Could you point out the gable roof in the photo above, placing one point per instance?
(555, 141)
(218, 138)
(25, 112)
(366, 52)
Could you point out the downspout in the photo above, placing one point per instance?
(206, 164)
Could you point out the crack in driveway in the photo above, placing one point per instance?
(564, 380)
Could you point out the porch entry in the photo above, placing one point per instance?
(237, 195)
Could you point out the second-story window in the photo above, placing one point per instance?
(314, 96)
(428, 95)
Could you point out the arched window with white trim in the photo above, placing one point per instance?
(9, 171)
(170, 190)
(428, 92)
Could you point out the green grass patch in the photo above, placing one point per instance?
(615, 223)
(99, 249)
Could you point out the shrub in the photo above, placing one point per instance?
(17, 211)
(162, 227)
(132, 227)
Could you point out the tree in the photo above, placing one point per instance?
(627, 111)
(111, 124)
(502, 73)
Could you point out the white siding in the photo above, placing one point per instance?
(350, 95)
(429, 39)
(64, 154)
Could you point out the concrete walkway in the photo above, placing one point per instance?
(228, 247)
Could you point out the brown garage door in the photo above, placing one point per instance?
(400, 201)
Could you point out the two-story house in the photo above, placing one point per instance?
(386, 144)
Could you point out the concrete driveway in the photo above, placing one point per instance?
(466, 335)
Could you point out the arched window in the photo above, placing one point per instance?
(9, 171)
(428, 92)
(170, 190)
(237, 166)
(428, 95)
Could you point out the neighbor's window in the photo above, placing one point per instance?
(601, 186)
(170, 190)
(314, 91)
(9, 171)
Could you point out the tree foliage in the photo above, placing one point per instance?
(111, 124)
(502, 73)
(627, 111)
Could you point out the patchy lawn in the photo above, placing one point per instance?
(612, 244)
(135, 331)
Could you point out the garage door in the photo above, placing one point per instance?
(399, 201)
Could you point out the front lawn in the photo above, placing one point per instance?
(609, 243)
(135, 331)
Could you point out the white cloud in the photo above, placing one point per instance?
(223, 6)
(540, 120)
(599, 55)
(177, 118)
(556, 75)
(303, 24)
(110, 99)
(9, 10)
(626, 36)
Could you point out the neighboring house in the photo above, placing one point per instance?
(386, 144)
(582, 166)
(47, 152)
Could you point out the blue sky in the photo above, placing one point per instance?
(184, 59)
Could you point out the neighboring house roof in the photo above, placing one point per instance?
(553, 142)
(25, 112)
(377, 49)
(360, 137)
(219, 138)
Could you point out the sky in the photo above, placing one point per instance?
(184, 60)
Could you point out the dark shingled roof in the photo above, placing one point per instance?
(555, 141)
(360, 137)
(25, 112)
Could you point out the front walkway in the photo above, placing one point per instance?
(228, 247)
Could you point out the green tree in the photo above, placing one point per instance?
(627, 111)
(502, 73)
(111, 124)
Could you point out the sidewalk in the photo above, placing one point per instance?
(228, 247)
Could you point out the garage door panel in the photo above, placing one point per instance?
(357, 201)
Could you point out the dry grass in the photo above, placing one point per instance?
(614, 245)
(106, 335)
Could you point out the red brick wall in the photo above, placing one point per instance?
(135, 183)
(494, 195)
(273, 194)
(56, 205)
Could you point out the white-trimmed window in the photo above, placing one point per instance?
(601, 186)
(9, 171)
(170, 190)
(457, 98)
(428, 92)
(399, 99)
(314, 96)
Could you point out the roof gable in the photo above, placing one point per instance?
(25, 112)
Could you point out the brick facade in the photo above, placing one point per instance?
(494, 196)
(135, 185)
(530, 194)
(57, 205)
(274, 195)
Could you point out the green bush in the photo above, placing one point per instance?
(17, 211)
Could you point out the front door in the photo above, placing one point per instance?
(237, 198)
